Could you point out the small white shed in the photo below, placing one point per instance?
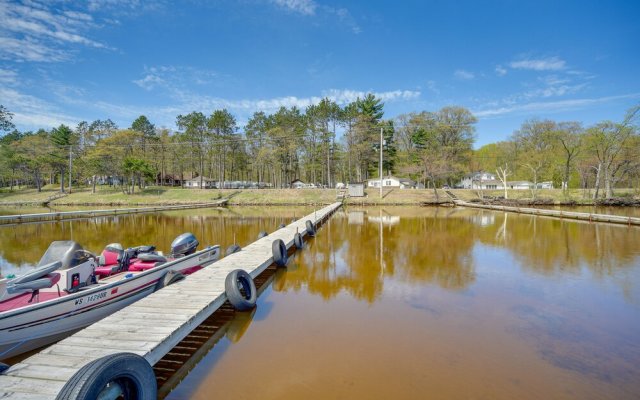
(356, 189)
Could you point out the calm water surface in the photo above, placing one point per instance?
(22, 245)
(407, 303)
(443, 304)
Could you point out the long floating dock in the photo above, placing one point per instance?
(61, 215)
(150, 327)
(614, 219)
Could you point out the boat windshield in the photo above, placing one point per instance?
(65, 251)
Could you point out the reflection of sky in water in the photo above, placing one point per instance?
(7, 268)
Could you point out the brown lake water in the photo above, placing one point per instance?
(443, 304)
(407, 302)
(22, 245)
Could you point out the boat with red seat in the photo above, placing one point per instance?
(71, 288)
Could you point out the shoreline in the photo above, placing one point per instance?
(169, 196)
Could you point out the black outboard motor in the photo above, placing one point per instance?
(184, 245)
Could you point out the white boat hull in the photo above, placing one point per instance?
(36, 325)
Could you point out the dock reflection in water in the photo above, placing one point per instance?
(441, 303)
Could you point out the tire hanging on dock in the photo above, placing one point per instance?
(3, 367)
(262, 234)
(279, 251)
(298, 241)
(241, 290)
(311, 229)
(234, 248)
(117, 375)
(282, 225)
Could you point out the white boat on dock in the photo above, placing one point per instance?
(66, 292)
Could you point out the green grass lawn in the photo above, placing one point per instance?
(28, 195)
(579, 196)
(157, 195)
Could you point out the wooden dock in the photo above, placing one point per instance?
(62, 215)
(614, 219)
(150, 327)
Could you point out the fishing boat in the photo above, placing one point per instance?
(72, 288)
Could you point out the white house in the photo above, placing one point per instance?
(480, 180)
(525, 185)
(545, 185)
(207, 183)
(392, 182)
(519, 185)
(488, 181)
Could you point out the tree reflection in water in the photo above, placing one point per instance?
(362, 247)
(22, 245)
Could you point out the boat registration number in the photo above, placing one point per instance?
(91, 298)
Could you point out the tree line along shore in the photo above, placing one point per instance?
(324, 144)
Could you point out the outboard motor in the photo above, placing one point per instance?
(184, 245)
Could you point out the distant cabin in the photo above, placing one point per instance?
(298, 184)
(207, 183)
(392, 182)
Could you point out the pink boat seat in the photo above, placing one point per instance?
(146, 261)
(108, 262)
(107, 270)
(139, 265)
(109, 257)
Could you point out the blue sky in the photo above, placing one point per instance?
(64, 61)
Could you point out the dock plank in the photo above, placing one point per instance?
(614, 219)
(46, 388)
(53, 361)
(36, 371)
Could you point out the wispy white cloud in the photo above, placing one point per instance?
(552, 106)
(8, 77)
(539, 64)
(192, 101)
(555, 86)
(433, 87)
(126, 7)
(150, 81)
(176, 82)
(463, 75)
(38, 32)
(500, 70)
(31, 112)
(304, 7)
(311, 8)
(174, 78)
(345, 17)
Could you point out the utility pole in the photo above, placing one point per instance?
(381, 162)
(70, 166)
